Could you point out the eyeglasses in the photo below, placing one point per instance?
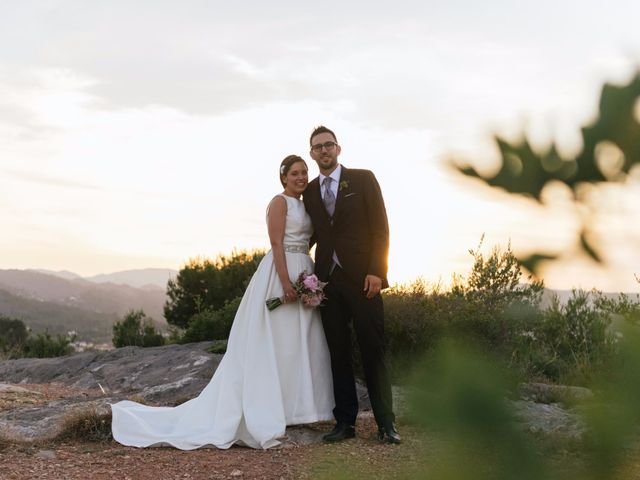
(328, 145)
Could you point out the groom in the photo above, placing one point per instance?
(352, 236)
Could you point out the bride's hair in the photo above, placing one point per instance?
(285, 165)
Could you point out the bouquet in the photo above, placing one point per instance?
(308, 288)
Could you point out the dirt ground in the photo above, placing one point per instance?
(109, 460)
(83, 460)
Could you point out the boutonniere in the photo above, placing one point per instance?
(343, 184)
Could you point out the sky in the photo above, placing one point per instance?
(143, 134)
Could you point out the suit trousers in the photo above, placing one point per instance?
(346, 305)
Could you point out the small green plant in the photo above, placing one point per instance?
(218, 347)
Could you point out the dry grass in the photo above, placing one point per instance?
(139, 399)
(88, 425)
(4, 442)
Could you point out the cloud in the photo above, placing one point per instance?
(402, 67)
(31, 177)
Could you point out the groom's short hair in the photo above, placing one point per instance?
(321, 129)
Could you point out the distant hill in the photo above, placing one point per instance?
(61, 273)
(142, 278)
(40, 315)
(78, 298)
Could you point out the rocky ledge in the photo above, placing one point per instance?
(31, 408)
(165, 375)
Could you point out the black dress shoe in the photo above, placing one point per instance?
(341, 431)
(388, 433)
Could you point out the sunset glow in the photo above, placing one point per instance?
(129, 144)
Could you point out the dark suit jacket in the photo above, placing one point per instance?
(360, 231)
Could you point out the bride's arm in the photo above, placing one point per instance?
(276, 219)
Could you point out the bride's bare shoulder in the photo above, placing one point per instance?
(277, 204)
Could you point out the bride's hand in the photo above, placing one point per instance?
(290, 294)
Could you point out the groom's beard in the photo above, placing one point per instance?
(328, 161)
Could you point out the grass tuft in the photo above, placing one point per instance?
(87, 425)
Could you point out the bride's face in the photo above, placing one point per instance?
(295, 182)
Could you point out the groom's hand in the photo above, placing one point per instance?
(372, 285)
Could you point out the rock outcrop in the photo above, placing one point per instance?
(165, 375)
(171, 374)
(160, 375)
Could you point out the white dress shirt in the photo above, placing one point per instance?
(335, 175)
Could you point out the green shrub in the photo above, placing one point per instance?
(45, 346)
(622, 307)
(136, 329)
(414, 320)
(205, 284)
(212, 324)
(16, 341)
(489, 309)
(568, 343)
(495, 311)
(13, 336)
(493, 301)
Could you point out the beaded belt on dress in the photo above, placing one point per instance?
(296, 247)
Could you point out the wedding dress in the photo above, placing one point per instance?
(276, 370)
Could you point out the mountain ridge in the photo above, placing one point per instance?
(45, 301)
(137, 278)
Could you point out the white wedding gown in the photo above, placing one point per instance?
(276, 371)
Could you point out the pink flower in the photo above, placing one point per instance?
(309, 291)
(311, 282)
(314, 301)
(311, 299)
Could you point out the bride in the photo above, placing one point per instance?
(276, 371)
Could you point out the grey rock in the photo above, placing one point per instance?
(160, 375)
(174, 373)
(46, 455)
(546, 393)
(552, 409)
(27, 424)
(301, 435)
(5, 388)
(549, 419)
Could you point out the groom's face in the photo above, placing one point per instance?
(326, 158)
